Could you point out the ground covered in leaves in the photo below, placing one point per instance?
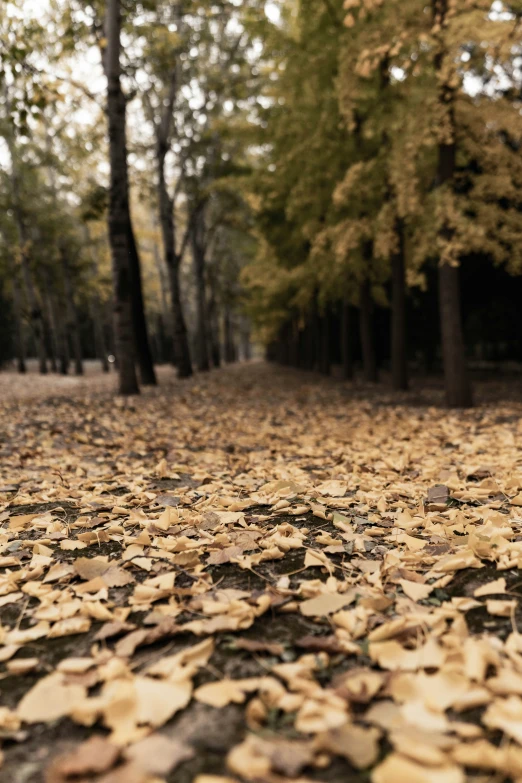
(257, 576)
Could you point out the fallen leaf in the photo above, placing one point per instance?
(158, 755)
(93, 756)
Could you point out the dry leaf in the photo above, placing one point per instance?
(397, 768)
(93, 756)
(51, 698)
(158, 755)
(326, 603)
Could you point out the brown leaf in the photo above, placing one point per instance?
(112, 629)
(359, 745)
(90, 567)
(326, 603)
(158, 755)
(93, 756)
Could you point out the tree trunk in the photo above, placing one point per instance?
(456, 377)
(367, 336)
(399, 364)
(139, 321)
(99, 337)
(36, 315)
(315, 341)
(73, 321)
(230, 347)
(180, 337)
(166, 310)
(173, 262)
(458, 388)
(35, 311)
(346, 343)
(198, 257)
(119, 207)
(324, 358)
(215, 348)
(19, 333)
(63, 349)
(309, 348)
(53, 329)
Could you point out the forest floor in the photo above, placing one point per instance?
(258, 575)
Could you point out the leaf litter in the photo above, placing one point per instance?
(253, 577)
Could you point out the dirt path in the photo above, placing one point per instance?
(259, 575)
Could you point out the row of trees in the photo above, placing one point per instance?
(162, 81)
(394, 161)
(333, 169)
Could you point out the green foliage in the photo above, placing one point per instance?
(358, 99)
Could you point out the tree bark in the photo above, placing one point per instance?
(166, 310)
(63, 347)
(99, 337)
(36, 315)
(456, 377)
(367, 335)
(119, 207)
(324, 358)
(198, 257)
(215, 347)
(53, 329)
(35, 310)
(139, 321)
(399, 364)
(230, 347)
(19, 333)
(73, 321)
(346, 343)
(60, 330)
(173, 262)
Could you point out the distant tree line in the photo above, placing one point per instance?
(121, 231)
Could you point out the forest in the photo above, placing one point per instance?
(260, 399)
(337, 185)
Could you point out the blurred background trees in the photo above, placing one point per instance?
(336, 182)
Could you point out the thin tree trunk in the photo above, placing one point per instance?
(456, 377)
(61, 331)
(36, 315)
(35, 311)
(96, 311)
(230, 348)
(119, 207)
(310, 343)
(198, 257)
(73, 321)
(180, 336)
(458, 388)
(399, 363)
(139, 321)
(215, 348)
(367, 335)
(324, 360)
(19, 333)
(166, 310)
(63, 350)
(247, 345)
(346, 342)
(99, 337)
(173, 262)
(53, 331)
(315, 346)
